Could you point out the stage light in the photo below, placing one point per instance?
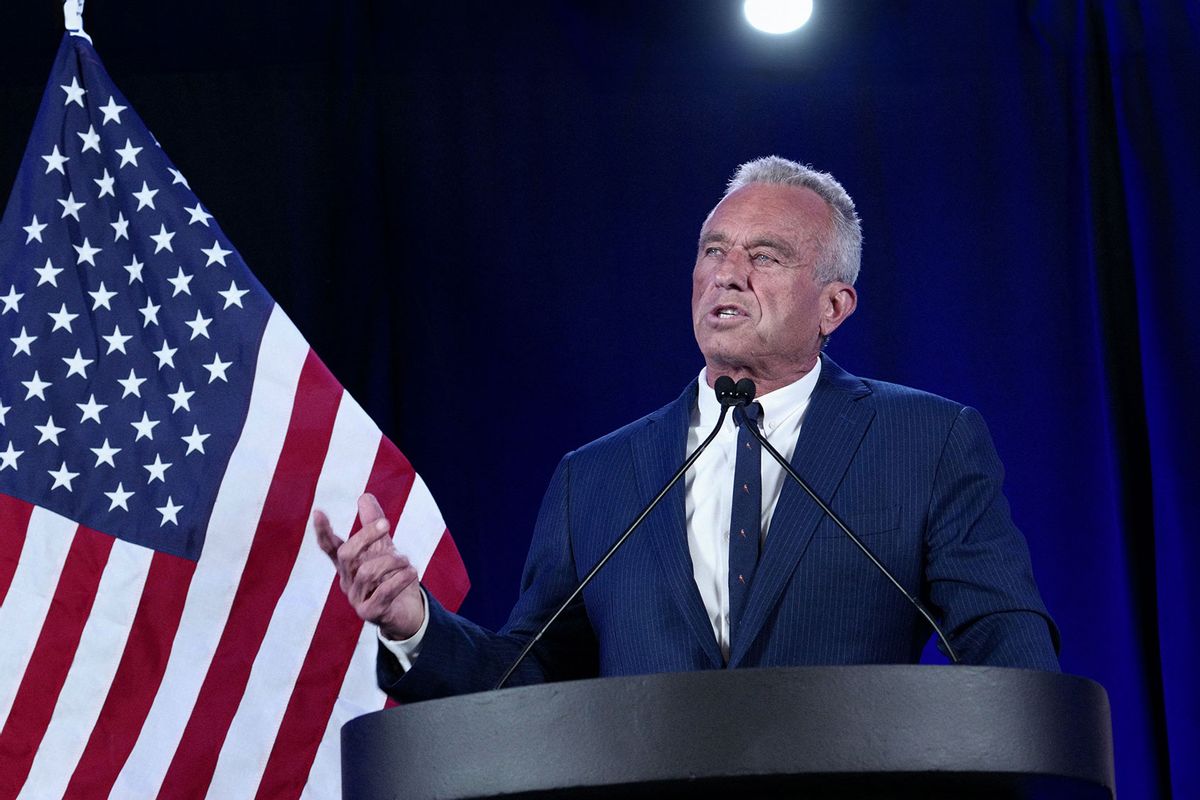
(777, 16)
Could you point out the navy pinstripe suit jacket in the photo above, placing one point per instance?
(914, 475)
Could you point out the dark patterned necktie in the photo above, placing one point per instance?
(746, 518)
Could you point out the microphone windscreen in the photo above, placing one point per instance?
(746, 390)
(723, 386)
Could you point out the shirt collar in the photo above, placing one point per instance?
(778, 406)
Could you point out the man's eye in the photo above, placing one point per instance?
(761, 258)
(712, 251)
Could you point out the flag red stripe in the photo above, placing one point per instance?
(14, 519)
(446, 576)
(311, 704)
(138, 675)
(52, 656)
(280, 532)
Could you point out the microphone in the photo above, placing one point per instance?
(746, 389)
(729, 395)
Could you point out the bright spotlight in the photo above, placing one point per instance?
(777, 16)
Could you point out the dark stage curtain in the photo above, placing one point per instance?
(483, 215)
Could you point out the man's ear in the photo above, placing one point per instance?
(840, 300)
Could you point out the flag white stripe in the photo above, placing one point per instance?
(352, 449)
(86, 687)
(359, 695)
(47, 542)
(230, 534)
(420, 527)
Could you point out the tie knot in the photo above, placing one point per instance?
(753, 412)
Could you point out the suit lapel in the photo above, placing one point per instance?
(833, 428)
(657, 453)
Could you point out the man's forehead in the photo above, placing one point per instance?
(768, 207)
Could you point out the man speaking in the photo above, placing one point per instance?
(738, 567)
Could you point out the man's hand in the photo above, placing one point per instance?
(380, 583)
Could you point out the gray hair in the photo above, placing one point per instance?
(843, 255)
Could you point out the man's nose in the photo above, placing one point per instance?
(734, 270)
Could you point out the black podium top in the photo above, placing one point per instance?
(870, 731)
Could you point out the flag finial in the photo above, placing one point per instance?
(73, 18)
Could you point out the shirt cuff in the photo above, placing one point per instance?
(407, 650)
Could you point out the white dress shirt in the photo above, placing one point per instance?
(709, 496)
(709, 485)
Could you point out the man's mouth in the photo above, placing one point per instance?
(727, 312)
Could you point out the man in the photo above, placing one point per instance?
(738, 567)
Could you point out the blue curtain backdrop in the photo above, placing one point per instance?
(483, 215)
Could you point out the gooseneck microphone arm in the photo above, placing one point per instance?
(727, 395)
(743, 391)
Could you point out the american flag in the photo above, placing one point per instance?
(168, 626)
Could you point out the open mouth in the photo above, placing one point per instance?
(727, 312)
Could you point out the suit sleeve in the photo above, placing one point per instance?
(458, 656)
(978, 568)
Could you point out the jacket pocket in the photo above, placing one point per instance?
(863, 523)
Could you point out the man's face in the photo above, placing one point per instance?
(757, 307)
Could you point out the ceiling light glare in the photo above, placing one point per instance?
(777, 16)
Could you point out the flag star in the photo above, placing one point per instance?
(133, 385)
(101, 297)
(144, 427)
(166, 356)
(48, 274)
(198, 215)
(128, 154)
(145, 197)
(116, 341)
(150, 313)
(215, 254)
(62, 477)
(86, 252)
(55, 161)
(180, 282)
(181, 398)
(91, 409)
(104, 454)
(112, 112)
(49, 431)
(118, 498)
(34, 229)
(215, 370)
(22, 342)
(77, 364)
(233, 295)
(178, 178)
(11, 300)
(120, 227)
(75, 92)
(70, 207)
(106, 185)
(9, 458)
(134, 268)
(62, 319)
(91, 139)
(195, 441)
(170, 512)
(37, 386)
(157, 470)
(5, 409)
(199, 325)
(162, 239)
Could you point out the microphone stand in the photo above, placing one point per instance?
(849, 533)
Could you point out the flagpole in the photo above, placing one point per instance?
(73, 18)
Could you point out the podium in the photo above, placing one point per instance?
(802, 732)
